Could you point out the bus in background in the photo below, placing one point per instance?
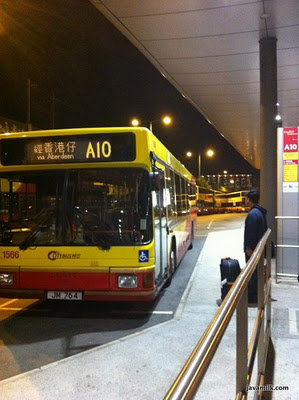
(205, 200)
(211, 201)
(91, 214)
(231, 202)
(192, 197)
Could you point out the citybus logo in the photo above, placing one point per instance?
(55, 255)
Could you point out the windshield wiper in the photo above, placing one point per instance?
(44, 216)
(102, 244)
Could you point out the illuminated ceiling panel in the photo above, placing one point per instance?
(209, 50)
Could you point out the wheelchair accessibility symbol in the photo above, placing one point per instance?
(143, 256)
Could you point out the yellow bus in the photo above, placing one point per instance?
(232, 202)
(91, 214)
(205, 200)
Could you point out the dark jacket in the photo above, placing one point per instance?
(255, 227)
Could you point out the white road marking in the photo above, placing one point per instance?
(142, 312)
(209, 226)
(163, 312)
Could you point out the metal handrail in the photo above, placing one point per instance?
(286, 217)
(288, 246)
(187, 382)
(285, 246)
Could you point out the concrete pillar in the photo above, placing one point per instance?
(268, 129)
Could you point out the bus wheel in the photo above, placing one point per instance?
(192, 238)
(172, 266)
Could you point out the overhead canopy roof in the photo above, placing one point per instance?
(209, 50)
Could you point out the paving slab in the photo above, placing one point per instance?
(142, 366)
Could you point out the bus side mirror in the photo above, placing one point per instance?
(154, 181)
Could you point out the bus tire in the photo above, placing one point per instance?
(192, 237)
(172, 266)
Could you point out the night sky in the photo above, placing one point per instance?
(99, 78)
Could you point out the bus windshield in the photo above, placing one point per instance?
(80, 207)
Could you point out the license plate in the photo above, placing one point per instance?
(63, 295)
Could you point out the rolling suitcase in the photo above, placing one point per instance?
(229, 270)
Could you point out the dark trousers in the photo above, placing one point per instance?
(252, 285)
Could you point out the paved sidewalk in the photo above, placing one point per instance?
(142, 366)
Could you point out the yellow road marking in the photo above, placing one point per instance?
(8, 302)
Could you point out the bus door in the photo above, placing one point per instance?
(160, 224)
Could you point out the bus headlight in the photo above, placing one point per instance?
(127, 281)
(6, 279)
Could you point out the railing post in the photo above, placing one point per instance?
(261, 306)
(242, 342)
(269, 276)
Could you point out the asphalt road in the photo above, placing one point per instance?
(34, 333)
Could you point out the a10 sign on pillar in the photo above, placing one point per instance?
(290, 155)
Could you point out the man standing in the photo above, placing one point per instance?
(255, 227)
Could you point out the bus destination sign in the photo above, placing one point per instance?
(88, 148)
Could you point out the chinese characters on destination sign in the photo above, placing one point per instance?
(66, 150)
(87, 148)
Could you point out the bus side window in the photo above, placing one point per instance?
(170, 188)
(178, 194)
(184, 197)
